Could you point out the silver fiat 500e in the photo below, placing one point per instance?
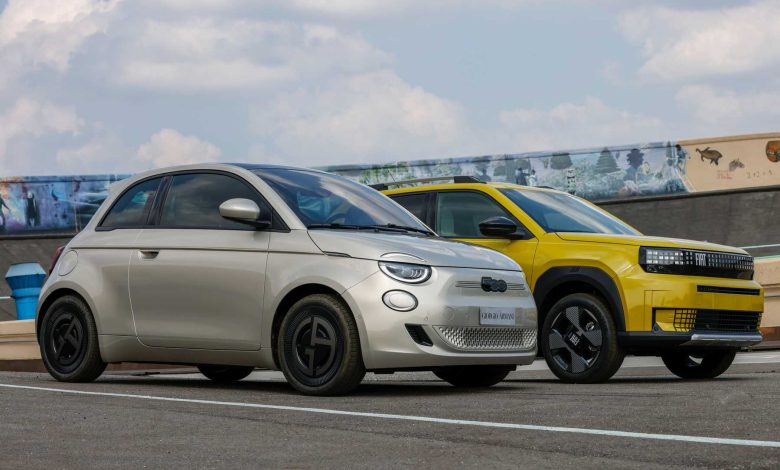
(232, 267)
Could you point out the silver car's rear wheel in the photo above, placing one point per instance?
(69, 342)
(225, 374)
(319, 347)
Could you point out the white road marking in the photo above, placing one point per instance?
(425, 419)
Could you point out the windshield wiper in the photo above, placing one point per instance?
(341, 226)
(405, 228)
(384, 228)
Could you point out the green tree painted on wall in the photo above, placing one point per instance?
(560, 161)
(606, 162)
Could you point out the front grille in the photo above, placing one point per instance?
(485, 338)
(696, 263)
(728, 290)
(716, 320)
(684, 319)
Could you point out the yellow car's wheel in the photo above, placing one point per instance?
(473, 376)
(698, 366)
(225, 374)
(579, 340)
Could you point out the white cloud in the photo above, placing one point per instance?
(102, 152)
(379, 117)
(681, 44)
(718, 108)
(35, 33)
(571, 125)
(236, 54)
(169, 147)
(368, 117)
(341, 9)
(29, 118)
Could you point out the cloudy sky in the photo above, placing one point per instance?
(95, 86)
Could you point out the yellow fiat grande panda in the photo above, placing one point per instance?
(602, 288)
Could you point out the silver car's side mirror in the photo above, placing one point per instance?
(244, 210)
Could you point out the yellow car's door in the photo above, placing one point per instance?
(458, 213)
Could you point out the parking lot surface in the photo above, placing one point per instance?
(642, 418)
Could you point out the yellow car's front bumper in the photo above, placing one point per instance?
(691, 311)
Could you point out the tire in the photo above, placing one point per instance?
(225, 374)
(331, 364)
(579, 340)
(68, 340)
(473, 376)
(710, 364)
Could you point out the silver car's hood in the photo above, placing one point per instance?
(410, 249)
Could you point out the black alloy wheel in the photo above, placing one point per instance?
(706, 365)
(225, 374)
(319, 347)
(579, 340)
(473, 376)
(69, 342)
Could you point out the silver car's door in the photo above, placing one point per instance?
(106, 252)
(196, 279)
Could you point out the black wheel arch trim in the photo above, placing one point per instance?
(594, 277)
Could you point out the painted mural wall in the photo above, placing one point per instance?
(50, 205)
(733, 162)
(64, 204)
(595, 174)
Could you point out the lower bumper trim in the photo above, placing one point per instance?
(648, 341)
(716, 339)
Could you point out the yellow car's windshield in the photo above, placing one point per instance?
(560, 212)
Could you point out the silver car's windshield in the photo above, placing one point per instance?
(559, 212)
(322, 200)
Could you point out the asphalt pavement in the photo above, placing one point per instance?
(642, 418)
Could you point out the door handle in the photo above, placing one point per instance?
(148, 254)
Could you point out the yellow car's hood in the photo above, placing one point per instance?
(641, 240)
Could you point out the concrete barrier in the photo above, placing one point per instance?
(768, 275)
(17, 341)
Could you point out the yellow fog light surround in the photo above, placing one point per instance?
(400, 300)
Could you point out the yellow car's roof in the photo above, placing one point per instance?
(476, 186)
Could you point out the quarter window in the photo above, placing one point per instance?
(417, 204)
(132, 208)
(193, 201)
(459, 213)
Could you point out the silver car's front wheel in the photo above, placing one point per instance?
(319, 347)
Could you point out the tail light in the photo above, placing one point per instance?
(57, 254)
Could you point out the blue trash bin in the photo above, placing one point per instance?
(25, 280)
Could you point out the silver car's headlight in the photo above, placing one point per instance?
(406, 272)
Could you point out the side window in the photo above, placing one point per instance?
(458, 213)
(132, 208)
(193, 201)
(417, 204)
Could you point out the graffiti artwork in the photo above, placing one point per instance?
(63, 205)
(50, 205)
(595, 174)
(710, 154)
(773, 150)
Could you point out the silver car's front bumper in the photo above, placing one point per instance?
(448, 313)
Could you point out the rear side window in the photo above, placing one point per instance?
(458, 213)
(417, 204)
(193, 201)
(132, 208)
